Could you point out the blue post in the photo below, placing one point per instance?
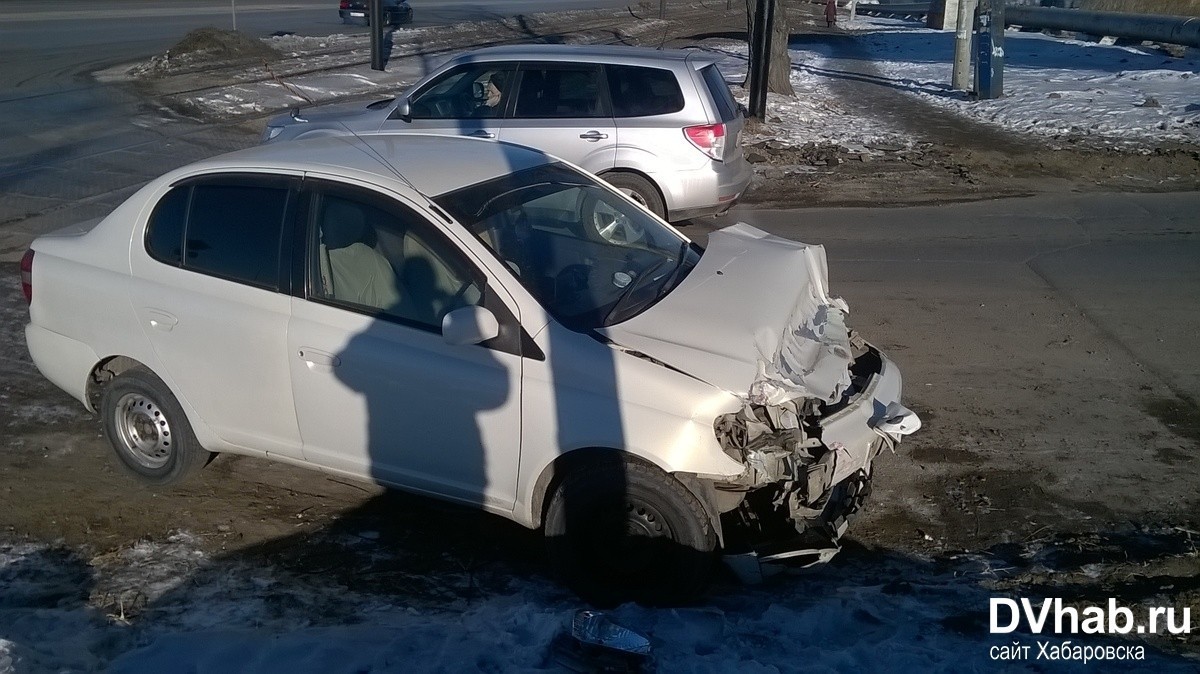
(989, 50)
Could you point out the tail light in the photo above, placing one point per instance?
(345, 4)
(708, 138)
(27, 276)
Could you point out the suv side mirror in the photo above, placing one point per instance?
(402, 110)
(469, 325)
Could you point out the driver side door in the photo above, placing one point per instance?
(454, 103)
(379, 392)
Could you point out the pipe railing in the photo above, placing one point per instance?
(1182, 30)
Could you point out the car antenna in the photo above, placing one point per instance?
(366, 149)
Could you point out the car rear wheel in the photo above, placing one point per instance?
(639, 189)
(148, 430)
(623, 531)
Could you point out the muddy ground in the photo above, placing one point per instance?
(946, 491)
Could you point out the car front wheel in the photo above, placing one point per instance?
(623, 531)
(148, 429)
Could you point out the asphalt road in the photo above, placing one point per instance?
(71, 146)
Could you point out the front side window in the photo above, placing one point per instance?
(637, 91)
(228, 226)
(473, 90)
(550, 91)
(590, 257)
(377, 256)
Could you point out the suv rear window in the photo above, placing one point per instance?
(722, 97)
(641, 92)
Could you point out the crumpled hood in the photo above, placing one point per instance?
(754, 318)
(339, 112)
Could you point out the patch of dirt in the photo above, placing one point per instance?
(834, 175)
(205, 48)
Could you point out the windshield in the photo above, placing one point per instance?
(589, 256)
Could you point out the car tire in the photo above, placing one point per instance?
(148, 429)
(639, 189)
(622, 531)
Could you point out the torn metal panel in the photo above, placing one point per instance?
(781, 335)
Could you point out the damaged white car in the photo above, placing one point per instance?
(482, 323)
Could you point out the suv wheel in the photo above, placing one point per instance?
(620, 531)
(148, 430)
(639, 189)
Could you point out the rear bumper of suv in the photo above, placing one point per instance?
(711, 189)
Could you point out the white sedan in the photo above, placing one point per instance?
(483, 323)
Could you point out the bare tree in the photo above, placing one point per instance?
(779, 72)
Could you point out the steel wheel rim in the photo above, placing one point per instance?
(143, 430)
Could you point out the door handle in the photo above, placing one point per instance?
(481, 134)
(319, 360)
(161, 320)
(593, 136)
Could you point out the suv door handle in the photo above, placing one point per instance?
(593, 136)
(319, 360)
(481, 134)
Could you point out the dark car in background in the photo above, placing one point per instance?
(395, 12)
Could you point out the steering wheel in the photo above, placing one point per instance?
(571, 281)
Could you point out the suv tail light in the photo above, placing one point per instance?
(345, 4)
(708, 138)
(27, 276)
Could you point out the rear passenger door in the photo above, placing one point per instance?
(211, 294)
(563, 109)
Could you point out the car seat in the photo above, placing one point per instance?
(351, 269)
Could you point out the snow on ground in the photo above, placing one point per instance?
(161, 607)
(1052, 87)
(1062, 89)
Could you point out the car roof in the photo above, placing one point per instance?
(432, 164)
(575, 52)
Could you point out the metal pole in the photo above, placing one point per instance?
(853, 11)
(662, 9)
(760, 52)
(375, 14)
(233, 10)
(962, 45)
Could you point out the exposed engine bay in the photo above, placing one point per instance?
(788, 505)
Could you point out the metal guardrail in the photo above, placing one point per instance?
(1181, 30)
(916, 9)
(1170, 29)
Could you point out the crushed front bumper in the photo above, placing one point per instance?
(809, 468)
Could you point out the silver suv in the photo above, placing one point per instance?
(661, 125)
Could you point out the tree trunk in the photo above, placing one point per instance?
(779, 75)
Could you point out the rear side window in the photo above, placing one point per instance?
(641, 92)
(722, 97)
(230, 227)
(559, 92)
(164, 235)
(234, 231)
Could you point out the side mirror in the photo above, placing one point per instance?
(469, 325)
(402, 111)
